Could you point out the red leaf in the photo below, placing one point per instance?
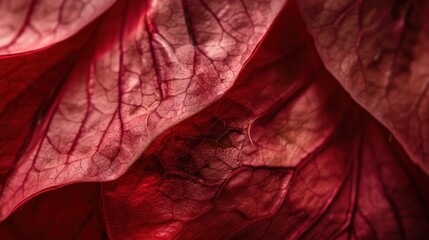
(30, 84)
(29, 25)
(231, 143)
(285, 154)
(146, 67)
(379, 52)
(67, 213)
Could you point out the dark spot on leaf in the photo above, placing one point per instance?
(225, 142)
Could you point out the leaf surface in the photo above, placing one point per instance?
(379, 51)
(30, 25)
(145, 67)
(72, 212)
(285, 154)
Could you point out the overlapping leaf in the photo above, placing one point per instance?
(285, 154)
(379, 52)
(277, 150)
(146, 66)
(30, 25)
(72, 212)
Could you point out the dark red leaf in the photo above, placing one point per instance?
(285, 154)
(231, 143)
(72, 212)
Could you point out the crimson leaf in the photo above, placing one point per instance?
(29, 25)
(72, 212)
(147, 66)
(379, 52)
(285, 154)
(275, 150)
